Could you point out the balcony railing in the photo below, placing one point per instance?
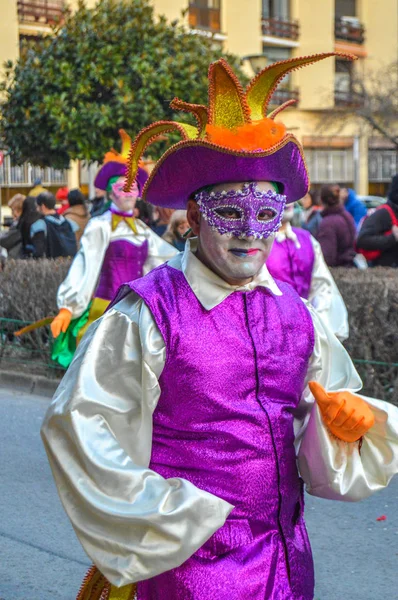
(40, 11)
(280, 28)
(203, 17)
(349, 30)
(347, 99)
(282, 95)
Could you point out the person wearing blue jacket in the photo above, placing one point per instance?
(355, 207)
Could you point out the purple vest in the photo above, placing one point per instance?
(224, 421)
(123, 262)
(293, 265)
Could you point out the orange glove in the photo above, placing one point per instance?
(61, 322)
(346, 415)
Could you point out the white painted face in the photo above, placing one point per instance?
(125, 201)
(235, 260)
(288, 213)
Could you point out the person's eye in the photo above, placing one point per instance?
(229, 213)
(266, 215)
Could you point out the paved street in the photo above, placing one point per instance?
(356, 557)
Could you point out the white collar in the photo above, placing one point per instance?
(288, 234)
(208, 287)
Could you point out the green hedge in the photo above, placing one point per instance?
(28, 291)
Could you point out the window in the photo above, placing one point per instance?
(346, 8)
(382, 165)
(275, 54)
(205, 14)
(330, 166)
(278, 9)
(343, 76)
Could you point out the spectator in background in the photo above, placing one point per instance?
(62, 197)
(52, 235)
(29, 216)
(11, 240)
(77, 213)
(37, 189)
(176, 229)
(144, 211)
(311, 216)
(162, 218)
(337, 232)
(378, 235)
(99, 204)
(355, 207)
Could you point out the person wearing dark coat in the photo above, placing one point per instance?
(378, 231)
(337, 231)
(30, 215)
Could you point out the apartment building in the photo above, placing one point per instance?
(261, 32)
(264, 31)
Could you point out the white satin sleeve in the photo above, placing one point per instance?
(159, 251)
(325, 296)
(77, 289)
(132, 523)
(331, 468)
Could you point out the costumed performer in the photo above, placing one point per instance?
(115, 248)
(174, 437)
(296, 258)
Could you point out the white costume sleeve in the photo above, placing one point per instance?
(76, 291)
(325, 296)
(159, 251)
(133, 523)
(332, 468)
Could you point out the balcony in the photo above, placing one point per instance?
(45, 12)
(348, 99)
(275, 27)
(349, 29)
(204, 17)
(282, 95)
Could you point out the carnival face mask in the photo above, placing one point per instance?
(125, 201)
(242, 213)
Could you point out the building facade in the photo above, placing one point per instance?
(261, 32)
(265, 31)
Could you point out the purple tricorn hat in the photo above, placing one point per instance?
(115, 165)
(234, 139)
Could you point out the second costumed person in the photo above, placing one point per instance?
(115, 248)
(296, 258)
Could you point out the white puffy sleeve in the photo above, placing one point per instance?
(133, 523)
(159, 251)
(325, 296)
(331, 468)
(77, 289)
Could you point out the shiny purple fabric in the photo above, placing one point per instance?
(189, 168)
(123, 262)
(224, 421)
(293, 265)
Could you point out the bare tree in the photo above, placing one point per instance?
(369, 97)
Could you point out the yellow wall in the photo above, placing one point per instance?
(242, 24)
(171, 9)
(381, 34)
(316, 21)
(9, 36)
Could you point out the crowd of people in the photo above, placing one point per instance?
(348, 236)
(51, 226)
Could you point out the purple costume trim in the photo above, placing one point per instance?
(293, 265)
(248, 203)
(123, 262)
(224, 421)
